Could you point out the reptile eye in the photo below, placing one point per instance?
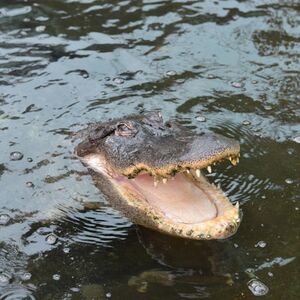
(125, 129)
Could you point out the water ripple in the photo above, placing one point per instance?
(17, 293)
(98, 227)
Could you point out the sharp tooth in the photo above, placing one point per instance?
(237, 205)
(198, 172)
(188, 171)
(219, 185)
(233, 160)
(165, 180)
(209, 169)
(155, 183)
(237, 160)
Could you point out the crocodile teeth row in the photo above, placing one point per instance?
(165, 180)
(233, 160)
(197, 171)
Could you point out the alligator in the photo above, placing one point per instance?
(152, 172)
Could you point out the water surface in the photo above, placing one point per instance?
(227, 66)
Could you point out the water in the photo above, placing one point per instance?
(65, 63)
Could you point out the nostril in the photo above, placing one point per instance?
(168, 124)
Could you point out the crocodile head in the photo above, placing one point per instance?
(152, 172)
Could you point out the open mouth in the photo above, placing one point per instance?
(174, 199)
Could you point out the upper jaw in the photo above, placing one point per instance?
(169, 170)
(163, 157)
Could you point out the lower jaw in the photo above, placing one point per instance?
(135, 206)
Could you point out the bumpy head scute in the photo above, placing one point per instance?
(146, 144)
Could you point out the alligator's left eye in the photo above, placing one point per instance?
(125, 129)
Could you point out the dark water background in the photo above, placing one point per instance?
(227, 66)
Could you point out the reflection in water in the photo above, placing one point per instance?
(181, 254)
(232, 64)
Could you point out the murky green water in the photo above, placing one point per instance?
(64, 63)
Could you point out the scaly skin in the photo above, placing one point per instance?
(120, 150)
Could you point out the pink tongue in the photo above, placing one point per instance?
(180, 199)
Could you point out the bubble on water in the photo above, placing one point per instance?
(4, 278)
(211, 76)
(261, 244)
(29, 159)
(237, 85)
(268, 107)
(66, 250)
(43, 230)
(108, 295)
(270, 274)
(40, 28)
(289, 181)
(29, 184)
(170, 73)
(257, 287)
(254, 81)
(201, 119)
(297, 139)
(26, 276)
(75, 289)
(118, 80)
(107, 78)
(67, 296)
(16, 155)
(4, 219)
(84, 74)
(51, 239)
(246, 122)
(56, 277)
(250, 272)
(42, 19)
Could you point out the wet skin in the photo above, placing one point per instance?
(151, 172)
